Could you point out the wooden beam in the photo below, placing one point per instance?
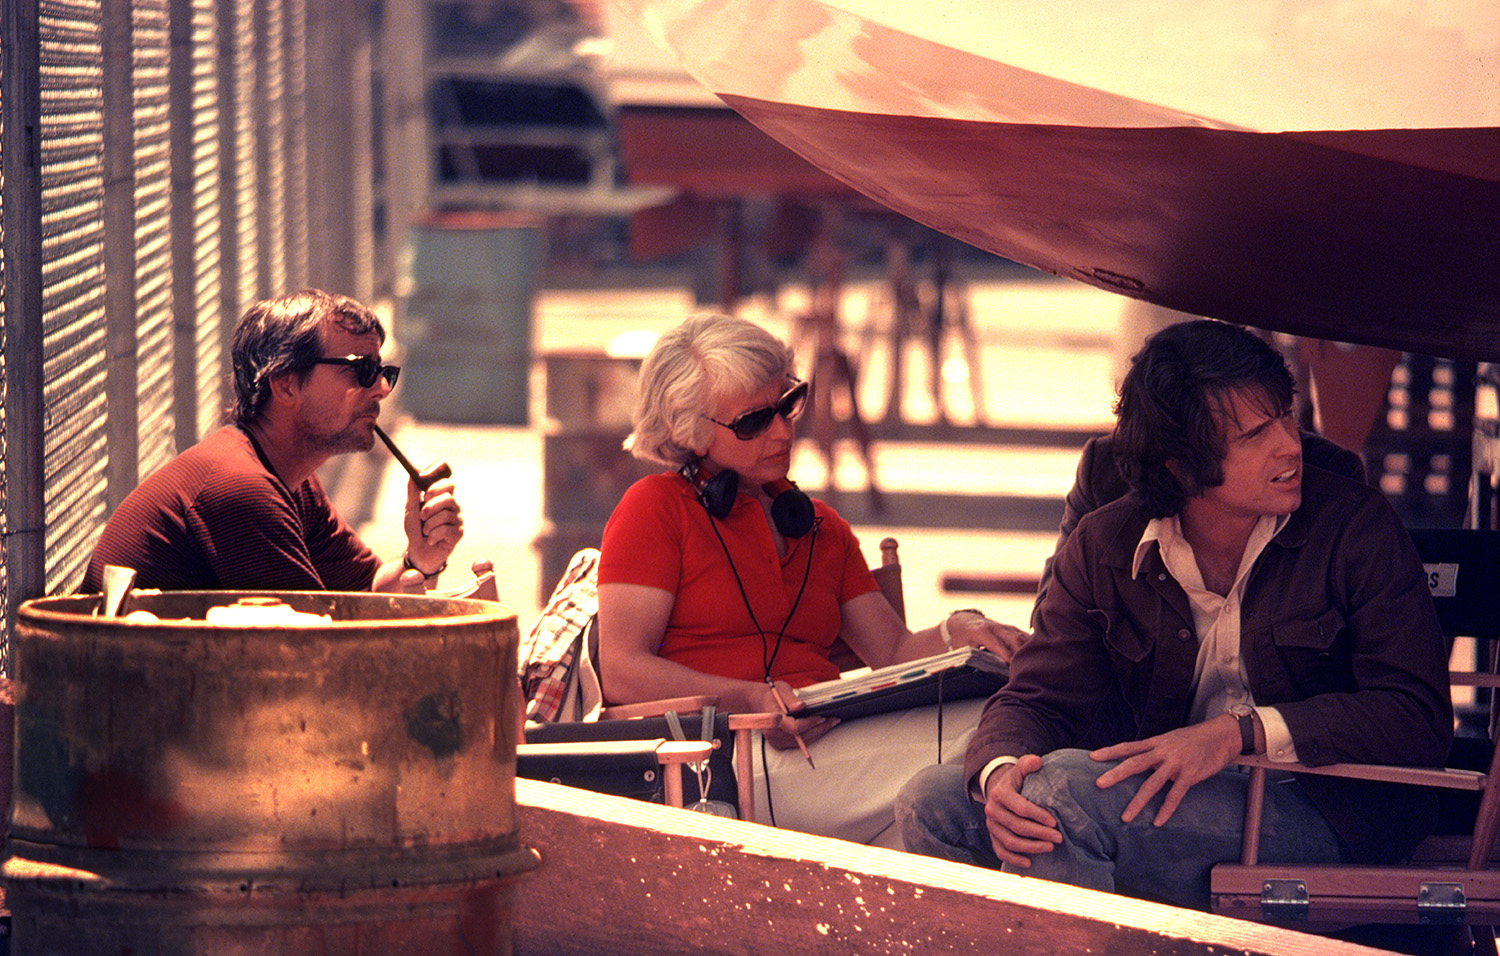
(625, 877)
(982, 582)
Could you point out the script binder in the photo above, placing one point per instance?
(959, 674)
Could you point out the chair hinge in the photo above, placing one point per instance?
(1441, 903)
(1283, 900)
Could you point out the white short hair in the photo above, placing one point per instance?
(687, 371)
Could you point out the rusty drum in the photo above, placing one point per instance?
(333, 774)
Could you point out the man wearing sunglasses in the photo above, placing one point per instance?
(243, 509)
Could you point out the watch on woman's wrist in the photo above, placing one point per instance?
(943, 625)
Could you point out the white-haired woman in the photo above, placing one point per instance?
(718, 577)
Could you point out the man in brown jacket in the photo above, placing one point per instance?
(1236, 601)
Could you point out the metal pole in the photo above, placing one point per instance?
(232, 213)
(185, 302)
(20, 151)
(121, 375)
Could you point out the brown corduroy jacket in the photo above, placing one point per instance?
(1338, 632)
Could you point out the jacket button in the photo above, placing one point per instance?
(1184, 635)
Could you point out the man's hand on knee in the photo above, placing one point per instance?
(1181, 758)
(1018, 828)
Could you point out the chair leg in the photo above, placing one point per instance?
(743, 726)
(1255, 800)
(1486, 820)
(744, 773)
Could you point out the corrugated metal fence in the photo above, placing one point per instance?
(156, 181)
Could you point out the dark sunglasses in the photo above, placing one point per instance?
(753, 423)
(366, 369)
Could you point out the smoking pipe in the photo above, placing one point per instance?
(423, 481)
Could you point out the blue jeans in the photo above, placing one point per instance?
(1168, 864)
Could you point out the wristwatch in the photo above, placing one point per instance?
(1246, 716)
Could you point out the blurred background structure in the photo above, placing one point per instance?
(530, 190)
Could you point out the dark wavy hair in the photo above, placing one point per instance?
(1173, 397)
(283, 336)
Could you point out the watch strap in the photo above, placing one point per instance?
(1246, 718)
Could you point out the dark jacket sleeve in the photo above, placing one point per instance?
(1063, 678)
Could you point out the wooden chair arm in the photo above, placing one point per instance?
(678, 752)
(670, 754)
(1467, 679)
(1446, 777)
(585, 748)
(657, 708)
(1420, 776)
(753, 721)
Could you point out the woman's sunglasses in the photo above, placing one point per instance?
(753, 423)
(366, 369)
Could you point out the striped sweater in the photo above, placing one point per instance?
(217, 517)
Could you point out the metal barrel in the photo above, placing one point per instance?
(264, 785)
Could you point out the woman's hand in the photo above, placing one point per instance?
(970, 628)
(879, 637)
(781, 698)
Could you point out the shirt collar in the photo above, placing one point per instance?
(1168, 531)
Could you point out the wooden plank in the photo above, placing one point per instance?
(715, 153)
(624, 877)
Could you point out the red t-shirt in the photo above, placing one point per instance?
(661, 536)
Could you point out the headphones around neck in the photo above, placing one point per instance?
(791, 509)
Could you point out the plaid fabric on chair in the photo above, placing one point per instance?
(551, 654)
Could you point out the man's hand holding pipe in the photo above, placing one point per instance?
(434, 524)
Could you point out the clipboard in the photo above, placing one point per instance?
(960, 674)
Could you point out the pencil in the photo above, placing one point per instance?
(800, 743)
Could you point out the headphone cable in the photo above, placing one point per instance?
(806, 574)
(766, 648)
(766, 661)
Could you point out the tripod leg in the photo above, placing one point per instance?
(861, 433)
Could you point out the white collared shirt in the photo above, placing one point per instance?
(1219, 679)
